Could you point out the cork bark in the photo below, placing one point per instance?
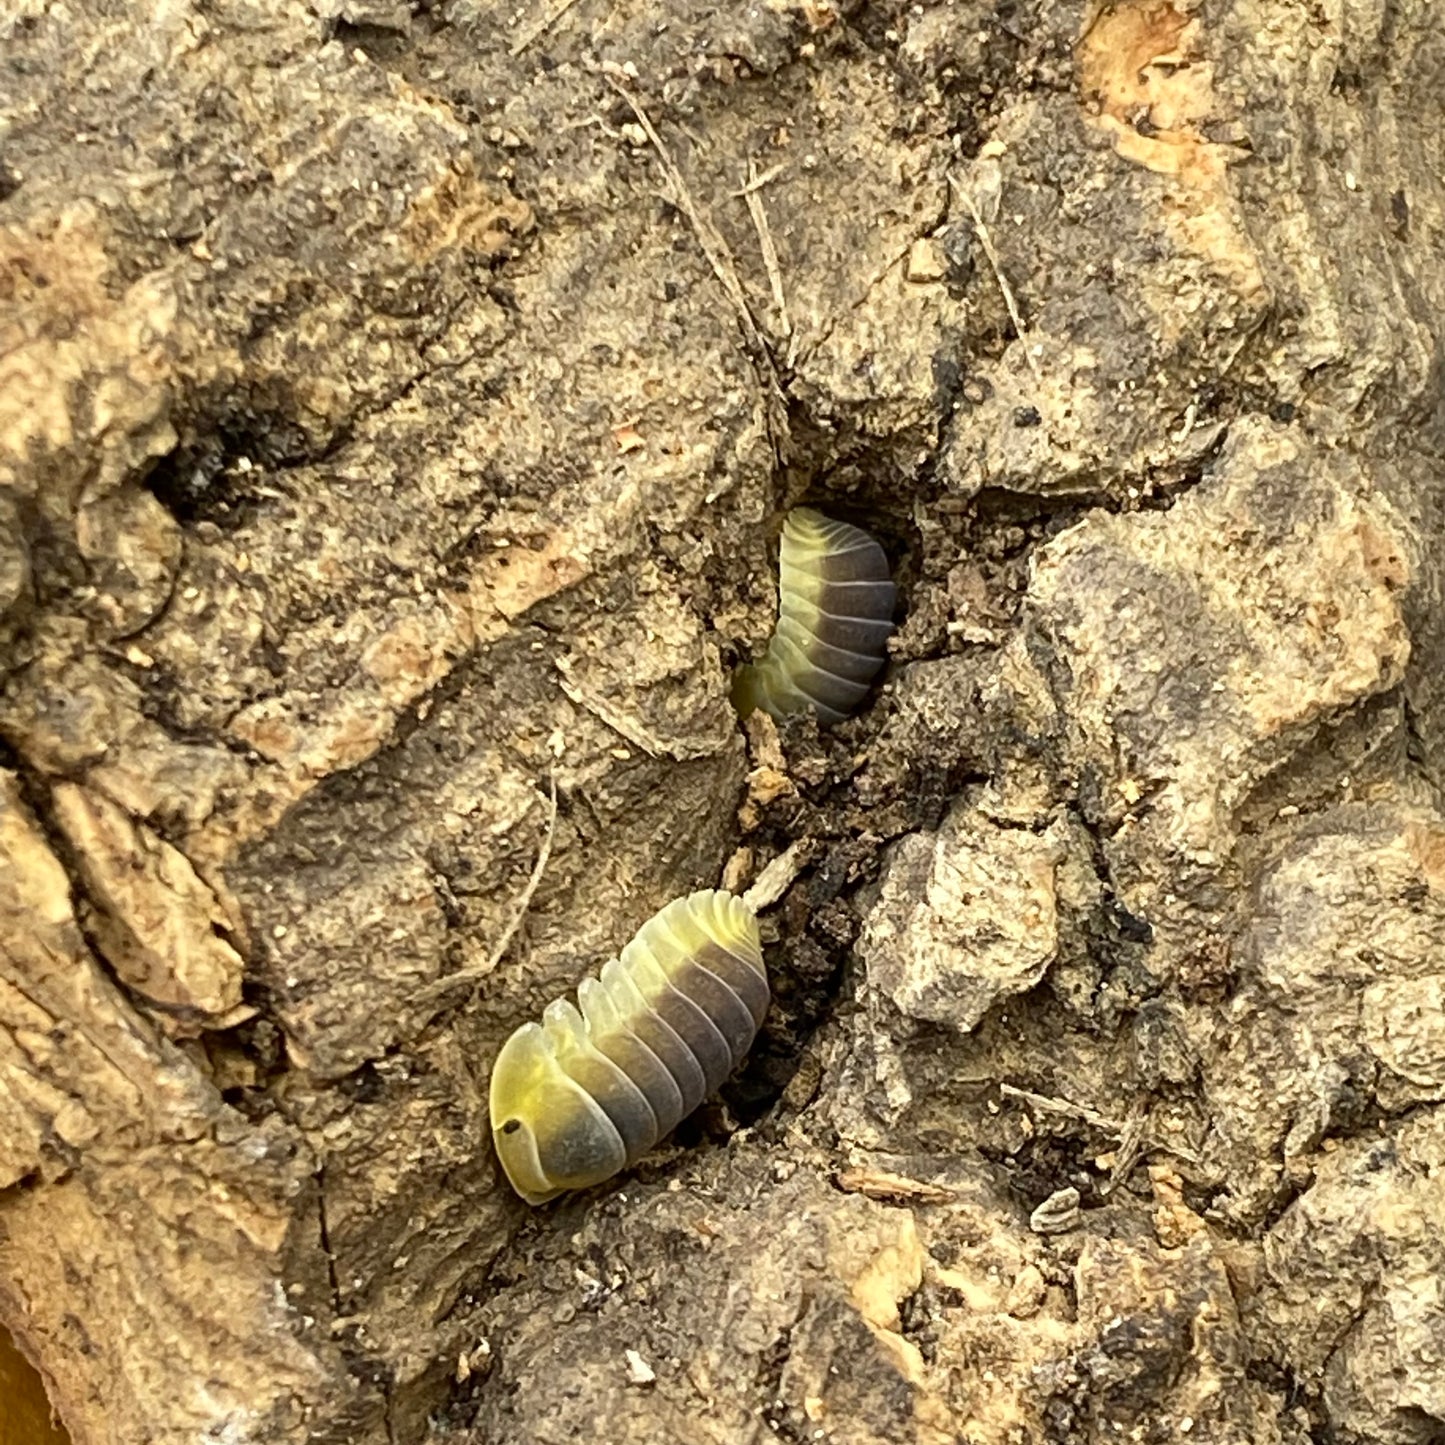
(398, 405)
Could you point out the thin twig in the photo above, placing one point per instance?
(1134, 1135)
(714, 248)
(544, 853)
(986, 240)
(536, 31)
(499, 948)
(778, 876)
(1132, 1139)
(769, 250)
(884, 1184)
(1064, 1106)
(756, 182)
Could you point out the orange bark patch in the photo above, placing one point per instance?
(462, 210)
(1427, 846)
(1148, 82)
(512, 579)
(1145, 74)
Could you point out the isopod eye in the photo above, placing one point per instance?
(511, 1126)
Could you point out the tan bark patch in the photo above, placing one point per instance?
(1148, 83)
(163, 929)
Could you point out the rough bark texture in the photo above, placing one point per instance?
(397, 403)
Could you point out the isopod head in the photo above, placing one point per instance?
(547, 1130)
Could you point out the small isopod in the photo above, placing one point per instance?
(588, 1091)
(835, 614)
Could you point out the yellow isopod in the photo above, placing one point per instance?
(588, 1091)
(835, 614)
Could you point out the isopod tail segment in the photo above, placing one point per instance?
(590, 1089)
(835, 615)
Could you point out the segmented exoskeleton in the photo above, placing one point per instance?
(835, 613)
(586, 1092)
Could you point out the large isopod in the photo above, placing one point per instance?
(835, 613)
(588, 1091)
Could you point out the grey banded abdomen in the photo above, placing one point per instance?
(835, 615)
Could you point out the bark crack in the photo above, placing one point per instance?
(337, 1308)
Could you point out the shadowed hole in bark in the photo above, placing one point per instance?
(217, 477)
(1048, 1163)
(384, 45)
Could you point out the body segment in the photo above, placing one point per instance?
(835, 614)
(591, 1089)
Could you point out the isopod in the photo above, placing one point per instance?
(835, 614)
(589, 1090)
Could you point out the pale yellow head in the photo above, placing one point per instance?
(549, 1134)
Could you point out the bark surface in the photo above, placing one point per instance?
(398, 404)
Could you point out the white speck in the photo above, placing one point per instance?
(639, 1372)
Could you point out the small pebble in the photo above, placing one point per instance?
(639, 1372)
